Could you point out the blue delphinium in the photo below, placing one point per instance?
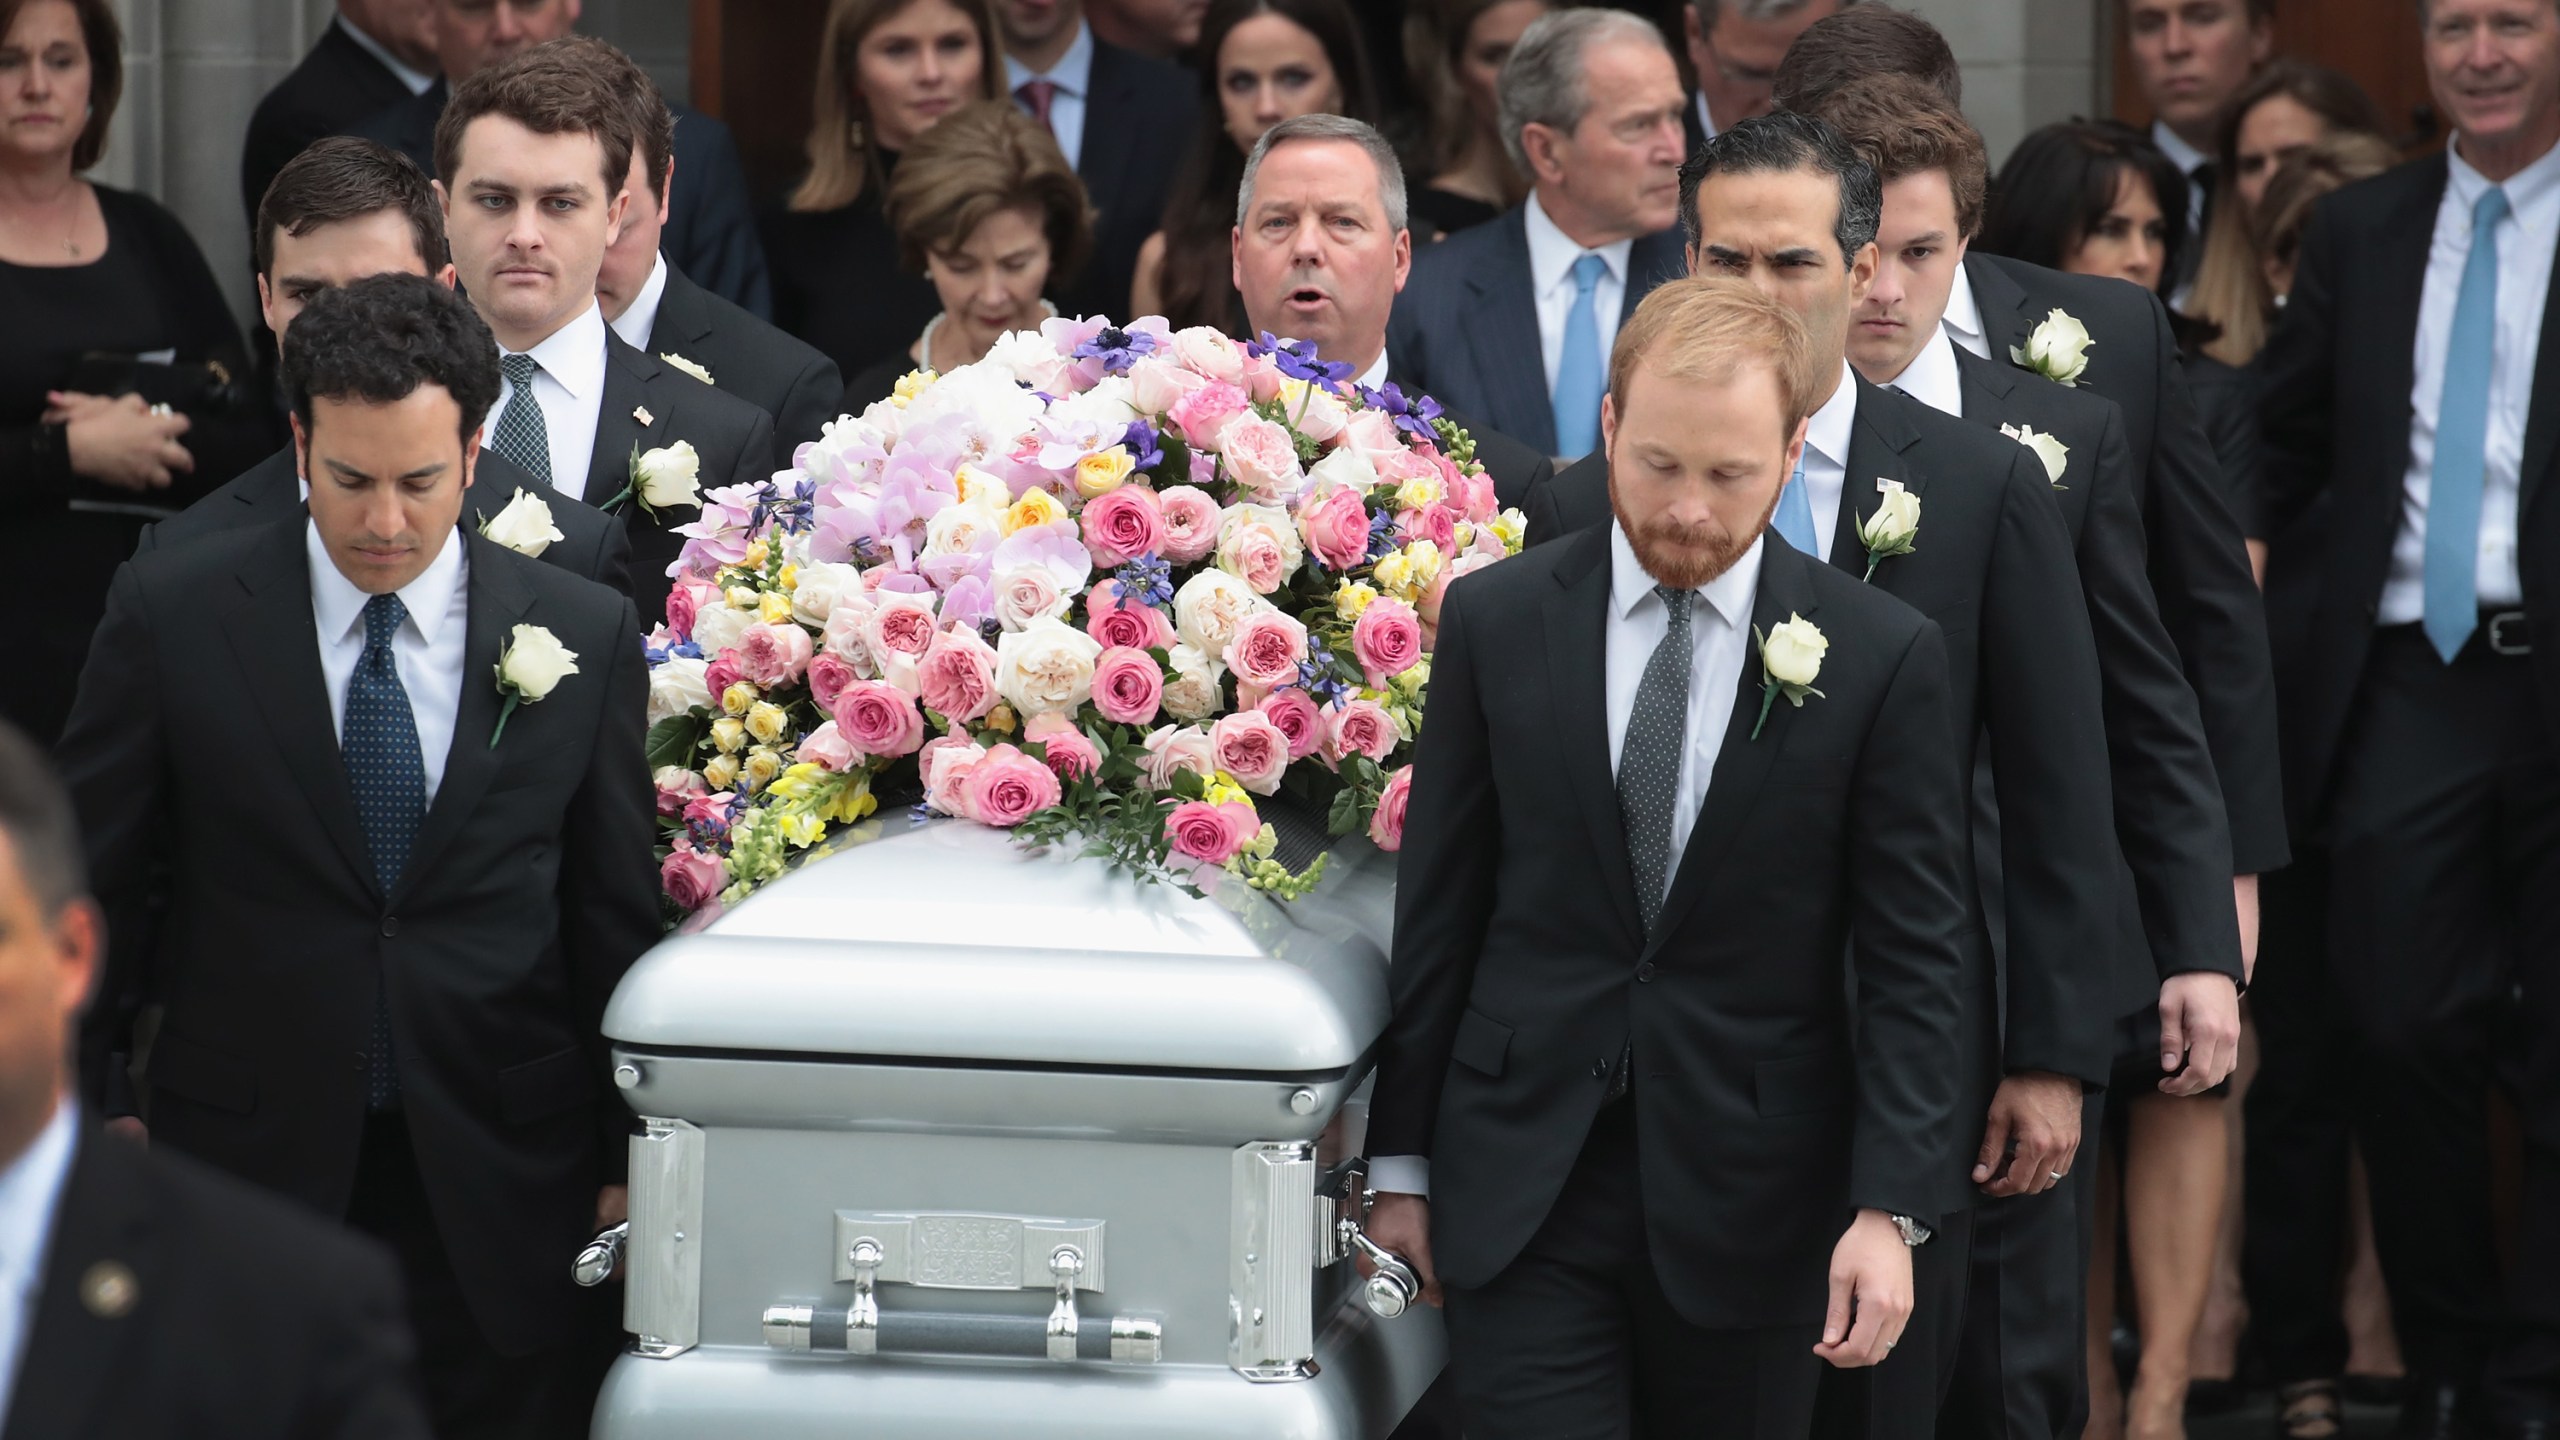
(1316, 675)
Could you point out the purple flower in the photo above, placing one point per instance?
(1297, 360)
(970, 601)
(1412, 415)
(1146, 581)
(1116, 348)
(1316, 675)
(1056, 547)
(1140, 437)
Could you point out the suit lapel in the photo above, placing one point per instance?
(1577, 672)
(276, 642)
(2003, 305)
(1651, 260)
(1502, 328)
(683, 320)
(72, 1348)
(1742, 763)
(2401, 280)
(628, 374)
(1878, 434)
(1984, 386)
(497, 599)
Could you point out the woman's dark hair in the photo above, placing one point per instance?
(1198, 282)
(105, 39)
(2061, 181)
(379, 338)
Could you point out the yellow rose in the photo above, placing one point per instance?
(1350, 598)
(1036, 507)
(1425, 559)
(721, 773)
(977, 487)
(738, 698)
(1394, 572)
(1001, 718)
(767, 721)
(1104, 471)
(729, 734)
(762, 765)
(1417, 492)
(774, 607)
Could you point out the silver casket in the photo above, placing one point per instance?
(945, 1138)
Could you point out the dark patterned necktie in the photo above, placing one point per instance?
(522, 436)
(1649, 758)
(380, 748)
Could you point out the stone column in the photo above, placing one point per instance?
(2026, 62)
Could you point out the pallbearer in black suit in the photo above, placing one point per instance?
(367, 808)
(536, 156)
(2173, 899)
(2413, 395)
(146, 1297)
(658, 310)
(1665, 1184)
(340, 211)
(372, 54)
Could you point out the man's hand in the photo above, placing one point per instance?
(2032, 1135)
(1870, 1293)
(1401, 1225)
(2244, 898)
(2200, 1025)
(129, 1127)
(613, 1206)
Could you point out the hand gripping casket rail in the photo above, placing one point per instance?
(944, 1138)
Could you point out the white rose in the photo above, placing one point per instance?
(2055, 455)
(1108, 407)
(1896, 520)
(669, 478)
(1029, 592)
(535, 662)
(1273, 520)
(676, 687)
(1208, 351)
(1174, 748)
(719, 627)
(522, 525)
(821, 585)
(1029, 357)
(1793, 652)
(2058, 349)
(1345, 466)
(958, 529)
(1155, 385)
(977, 487)
(1193, 692)
(1321, 416)
(1209, 606)
(687, 366)
(1045, 668)
(843, 635)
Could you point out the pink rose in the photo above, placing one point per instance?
(1207, 352)
(708, 813)
(1387, 639)
(1156, 386)
(1071, 755)
(1171, 749)
(1267, 649)
(899, 624)
(1298, 719)
(1026, 593)
(947, 763)
(677, 788)
(1336, 527)
(1450, 574)
(879, 718)
(692, 878)
(828, 675)
(1211, 833)
(1360, 727)
(726, 669)
(1432, 522)
(1259, 456)
(682, 605)
(958, 676)
(842, 637)
(1128, 686)
(1123, 524)
(1190, 523)
(826, 747)
(1386, 826)
(1254, 555)
(1261, 379)
(1473, 497)
(1371, 434)
(1006, 787)
(774, 655)
(1203, 413)
(1252, 748)
(1139, 627)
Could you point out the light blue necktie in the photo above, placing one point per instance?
(1579, 373)
(2452, 584)
(1794, 520)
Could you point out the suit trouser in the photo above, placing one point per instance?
(472, 1391)
(2444, 843)
(1899, 1399)
(1575, 1340)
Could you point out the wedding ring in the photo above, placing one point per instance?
(162, 410)
(2056, 1174)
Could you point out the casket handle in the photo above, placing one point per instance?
(602, 1256)
(1391, 1290)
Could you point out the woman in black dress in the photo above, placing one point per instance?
(103, 292)
(887, 70)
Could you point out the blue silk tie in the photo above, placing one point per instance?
(2452, 573)
(1580, 375)
(384, 768)
(1794, 520)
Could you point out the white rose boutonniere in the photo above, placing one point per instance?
(1894, 528)
(2058, 349)
(523, 525)
(2055, 455)
(687, 366)
(1790, 661)
(529, 669)
(668, 478)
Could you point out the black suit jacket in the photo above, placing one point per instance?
(1465, 329)
(338, 85)
(248, 1319)
(591, 544)
(1519, 471)
(751, 359)
(711, 223)
(1991, 564)
(203, 760)
(1139, 120)
(2174, 887)
(649, 404)
(1770, 1105)
(2199, 567)
(2339, 372)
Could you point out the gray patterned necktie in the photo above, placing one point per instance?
(522, 436)
(1649, 758)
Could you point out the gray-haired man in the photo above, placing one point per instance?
(1735, 47)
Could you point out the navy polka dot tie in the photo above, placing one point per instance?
(380, 748)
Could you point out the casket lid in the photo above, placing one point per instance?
(944, 940)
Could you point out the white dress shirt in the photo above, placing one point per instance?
(1826, 459)
(2525, 243)
(569, 387)
(1963, 320)
(416, 80)
(1551, 257)
(1932, 377)
(1706, 119)
(426, 650)
(639, 321)
(30, 1195)
(1636, 622)
(1375, 377)
(1073, 75)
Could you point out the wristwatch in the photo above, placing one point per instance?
(1914, 1233)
